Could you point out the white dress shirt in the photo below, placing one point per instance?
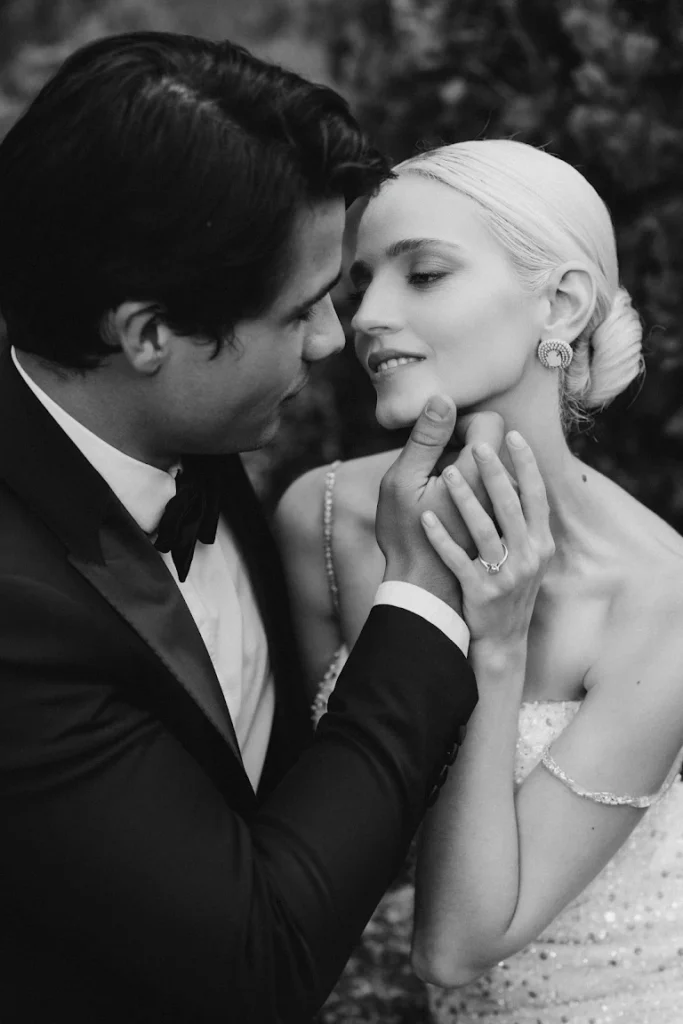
(217, 590)
(429, 606)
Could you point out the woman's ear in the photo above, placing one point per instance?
(137, 330)
(571, 295)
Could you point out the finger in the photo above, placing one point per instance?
(506, 504)
(532, 491)
(480, 525)
(482, 428)
(479, 428)
(427, 440)
(451, 554)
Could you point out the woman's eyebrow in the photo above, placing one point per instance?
(417, 245)
(360, 268)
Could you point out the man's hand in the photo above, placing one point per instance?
(408, 489)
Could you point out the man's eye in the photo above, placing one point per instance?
(307, 315)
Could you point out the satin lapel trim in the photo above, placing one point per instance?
(135, 581)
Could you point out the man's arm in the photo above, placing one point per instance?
(120, 847)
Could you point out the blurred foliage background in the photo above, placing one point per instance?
(597, 82)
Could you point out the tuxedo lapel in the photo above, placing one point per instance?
(134, 580)
(105, 545)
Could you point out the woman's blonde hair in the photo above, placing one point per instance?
(544, 213)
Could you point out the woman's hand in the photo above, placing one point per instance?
(412, 486)
(498, 603)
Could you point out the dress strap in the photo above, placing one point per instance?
(600, 796)
(328, 522)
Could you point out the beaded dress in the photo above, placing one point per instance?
(615, 953)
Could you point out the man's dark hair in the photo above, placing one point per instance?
(163, 168)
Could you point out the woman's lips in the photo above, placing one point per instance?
(387, 364)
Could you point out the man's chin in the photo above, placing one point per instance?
(254, 440)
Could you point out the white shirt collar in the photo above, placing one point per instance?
(143, 490)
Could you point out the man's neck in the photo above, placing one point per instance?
(99, 399)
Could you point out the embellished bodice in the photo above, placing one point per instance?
(614, 954)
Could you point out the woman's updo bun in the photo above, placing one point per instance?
(613, 354)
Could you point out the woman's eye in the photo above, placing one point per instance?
(426, 277)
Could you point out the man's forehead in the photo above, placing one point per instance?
(314, 257)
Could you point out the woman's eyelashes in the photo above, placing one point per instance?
(424, 278)
(415, 278)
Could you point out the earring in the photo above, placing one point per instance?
(555, 353)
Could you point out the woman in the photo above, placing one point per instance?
(550, 876)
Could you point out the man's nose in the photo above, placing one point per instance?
(328, 337)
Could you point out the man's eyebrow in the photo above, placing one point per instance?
(320, 294)
(404, 245)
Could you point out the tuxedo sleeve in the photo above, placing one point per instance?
(121, 855)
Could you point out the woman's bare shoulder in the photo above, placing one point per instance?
(298, 514)
(645, 621)
(355, 496)
(643, 534)
(651, 556)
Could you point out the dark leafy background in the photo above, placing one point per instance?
(597, 82)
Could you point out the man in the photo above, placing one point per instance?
(176, 845)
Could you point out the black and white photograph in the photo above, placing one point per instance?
(341, 512)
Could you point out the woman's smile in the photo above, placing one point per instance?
(383, 365)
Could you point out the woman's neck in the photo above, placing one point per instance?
(576, 511)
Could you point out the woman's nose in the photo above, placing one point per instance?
(377, 314)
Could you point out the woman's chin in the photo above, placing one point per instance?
(397, 416)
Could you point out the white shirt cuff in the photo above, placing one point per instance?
(432, 608)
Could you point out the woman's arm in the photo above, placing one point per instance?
(298, 527)
(496, 868)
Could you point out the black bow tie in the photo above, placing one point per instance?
(192, 514)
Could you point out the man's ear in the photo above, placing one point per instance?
(138, 331)
(571, 294)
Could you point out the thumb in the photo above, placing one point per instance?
(428, 438)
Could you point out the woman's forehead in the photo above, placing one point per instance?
(412, 208)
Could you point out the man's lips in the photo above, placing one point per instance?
(296, 388)
(377, 361)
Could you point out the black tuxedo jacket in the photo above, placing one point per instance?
(141, 879)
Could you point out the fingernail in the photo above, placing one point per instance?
(515, 439)
(429, 519)
(483, 451)
(437, 408)
(452, 474)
